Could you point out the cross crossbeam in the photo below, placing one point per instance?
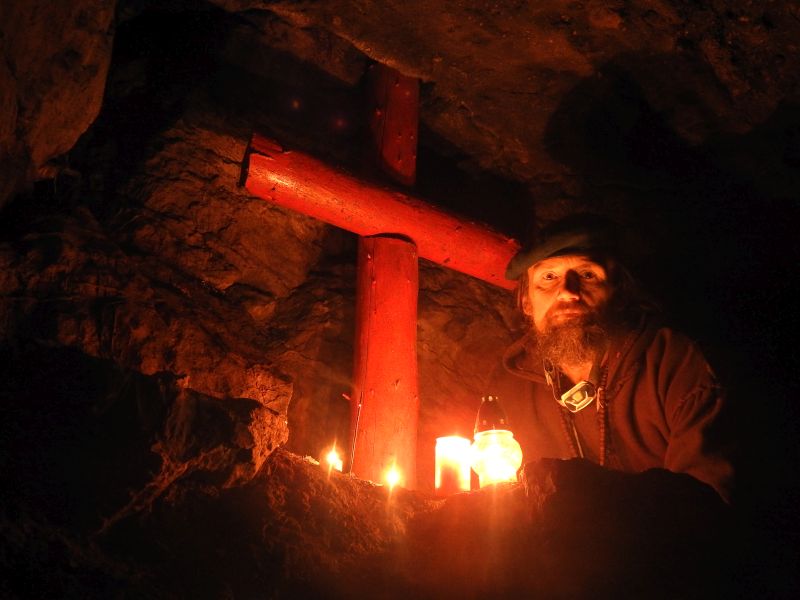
(302, 183)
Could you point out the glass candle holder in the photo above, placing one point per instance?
(495, 455)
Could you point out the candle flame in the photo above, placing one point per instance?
(334, 460)
(392, 477)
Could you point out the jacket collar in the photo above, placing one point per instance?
(522, 359)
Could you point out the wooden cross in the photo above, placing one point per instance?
(395, 229)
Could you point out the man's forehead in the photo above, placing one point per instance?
(566, 261)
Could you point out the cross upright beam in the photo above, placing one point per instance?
(385, 401)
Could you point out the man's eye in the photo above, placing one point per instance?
(588, 275)
(550, 276)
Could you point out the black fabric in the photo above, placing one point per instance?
(578, 234)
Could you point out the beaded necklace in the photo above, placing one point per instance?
(568, 424)
(571, 432)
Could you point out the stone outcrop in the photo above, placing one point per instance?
(127, 484)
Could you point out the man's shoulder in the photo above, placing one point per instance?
(669, 349)
(657, 343)
(520, 359)
(670, 338)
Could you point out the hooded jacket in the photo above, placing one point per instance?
(663, 408)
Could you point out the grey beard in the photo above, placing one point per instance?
(572, 344)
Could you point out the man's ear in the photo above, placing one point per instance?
(525, 304)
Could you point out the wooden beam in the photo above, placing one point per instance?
(385, 415)
(393, 118)
(305, 184)
(385, 398)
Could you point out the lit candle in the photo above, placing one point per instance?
(392, 477)
(452, 465)
(496, 456)
(334, 460)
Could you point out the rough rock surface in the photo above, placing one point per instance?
(706, 69)
(144, 489)
(75, 287)
(56, 59)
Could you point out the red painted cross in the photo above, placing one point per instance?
(395, 228)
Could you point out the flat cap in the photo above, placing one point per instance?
(582, 233)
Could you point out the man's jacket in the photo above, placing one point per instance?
(663, 409)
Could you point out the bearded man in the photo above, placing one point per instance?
(596, 376)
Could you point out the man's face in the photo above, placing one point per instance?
(567, 291)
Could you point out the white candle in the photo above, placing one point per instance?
(452, 465)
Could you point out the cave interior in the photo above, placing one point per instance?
(178, 353)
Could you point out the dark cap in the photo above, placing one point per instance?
(577, 234)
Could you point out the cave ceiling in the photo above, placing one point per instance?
(553, 95)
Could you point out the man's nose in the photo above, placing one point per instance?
(570, 287)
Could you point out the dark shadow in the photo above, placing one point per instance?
(158, 59)
(479, 196)
(718, 220)
(76, 434)
(166, 62)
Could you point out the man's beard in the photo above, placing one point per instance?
(577, 341)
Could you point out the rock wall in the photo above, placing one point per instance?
(52, 80)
